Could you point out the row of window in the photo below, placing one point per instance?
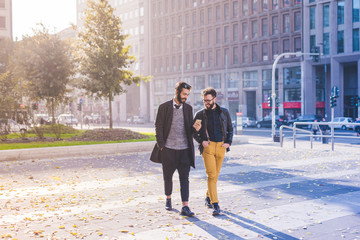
(221, 58)
(222, 12)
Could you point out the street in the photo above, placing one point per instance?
(266, 192)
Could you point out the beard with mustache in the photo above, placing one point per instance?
(210, 106)
(178, 97)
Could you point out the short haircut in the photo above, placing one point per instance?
(208, 91)
(181, 85)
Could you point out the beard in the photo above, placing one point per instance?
(209, 107)
(180, 100)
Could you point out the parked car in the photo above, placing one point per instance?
(267, 121)
(138, 120)
(305, 118)
(342, 122)
(248, 122)
(67, 119)
(10, 126)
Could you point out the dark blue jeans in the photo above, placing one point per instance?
(176, 160)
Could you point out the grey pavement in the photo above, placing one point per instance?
(265, 192)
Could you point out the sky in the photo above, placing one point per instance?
(56, 15)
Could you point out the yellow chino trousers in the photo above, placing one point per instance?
(213, 156)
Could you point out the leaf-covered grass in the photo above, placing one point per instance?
(9, 146)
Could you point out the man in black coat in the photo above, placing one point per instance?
(174, 147)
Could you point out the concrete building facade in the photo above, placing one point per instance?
(229, 45)
(6, 19)
(334, 27)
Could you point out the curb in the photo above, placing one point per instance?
(87, 150)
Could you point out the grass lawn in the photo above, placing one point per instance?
(9, 146)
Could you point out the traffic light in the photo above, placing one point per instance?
(79, 106)
(270, 101)
(357, 99)
(316, 57)
(333, 101)
(277, 102)
(352, 101)
(35, 106)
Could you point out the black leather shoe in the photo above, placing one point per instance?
(185, 211)
(168, 204)
(216, 209)
(208, 202)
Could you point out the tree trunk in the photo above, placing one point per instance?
(110, 112)
(52, 112)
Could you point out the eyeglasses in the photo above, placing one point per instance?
(208, 101)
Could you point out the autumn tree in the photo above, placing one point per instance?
(44, 65)
(10, 91)
(104, 60)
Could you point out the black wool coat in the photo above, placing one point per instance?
(163, 125)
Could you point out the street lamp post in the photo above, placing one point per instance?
(273, 94)
(182, 53)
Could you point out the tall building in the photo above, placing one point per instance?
(134, 15)
(5, 19)
(334, 27)
(229, 45)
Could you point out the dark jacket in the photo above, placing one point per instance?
(226, 127)
(162, 129)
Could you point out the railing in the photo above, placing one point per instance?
(323, 133)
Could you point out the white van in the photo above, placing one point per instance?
(67, 119)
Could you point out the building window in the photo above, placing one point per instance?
(286, 45)
(356, 40)
(340, 12)
(265, 5)
(312, 42)
(275, 25)
(174, 63)
(202, 59)
(215, 81)
(226, 34)
(340, 41)
(245, 8)
(245, 54)
(218, 58)
(202, 39)
(297, 21)
(218, 13)
(2, 3)
(326, 46)
(264, 27)
(209, 15)
(179, 22)
(235, 32)
(326, 16)
(275, 4)
(254, 53)
(254, 6)
(226, 56)
(275, 48)
(312, 17)
(292, 95)
(218, 35)
(194, 37)
(181, 62)
(195, 65)
(187, 20)
(199, 82)
(286, 23)
(245, 34)
(2, 22)
(287, 3)
(267, 79)
(187, 59)
(210, 37)
(292, 77)
(233, 80)
(226, 11)
(194, 18)
(265, 51)
(210, 59)
(254, 29)
(356, 10)
(250, 79)
(202, 17)
(235, 9)
(235, 55)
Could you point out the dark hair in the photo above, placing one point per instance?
(181, 85)
(208, 91)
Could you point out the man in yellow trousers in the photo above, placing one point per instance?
(214, 138)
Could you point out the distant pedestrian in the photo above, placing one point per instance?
(87, 122)
(214, 138)
(315, 127)
(174, 147)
